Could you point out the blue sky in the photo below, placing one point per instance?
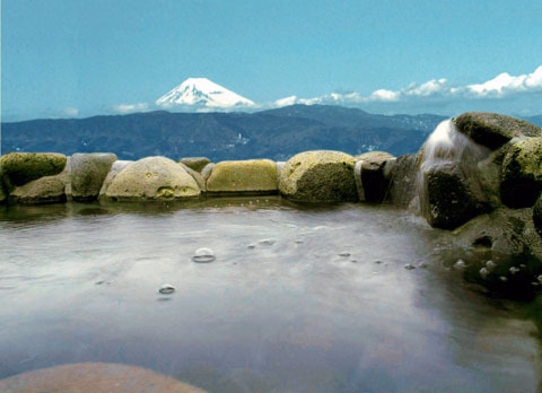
(77, 58)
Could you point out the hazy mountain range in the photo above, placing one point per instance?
(276, 134)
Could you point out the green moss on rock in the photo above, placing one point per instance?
(521, 173)
(21, 168)
(247, 176)
(319, 176)
(494, 130)
(46, 189)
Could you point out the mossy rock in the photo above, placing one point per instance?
(21, 168)
(494, 130)
(247, 176)
(3, 193)
(87, 174)
(46, 189)
(152, 178)
(449, 198)
(521, 173)
(319, 176)
(195, 163)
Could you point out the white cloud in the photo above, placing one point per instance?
(384, 95)
(434, 91)
(504, 84)
(131, 108)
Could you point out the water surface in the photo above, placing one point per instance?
(347, 298)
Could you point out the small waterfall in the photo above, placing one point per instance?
(446, 143)
(447, 147)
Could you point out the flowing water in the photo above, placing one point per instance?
(346, 298)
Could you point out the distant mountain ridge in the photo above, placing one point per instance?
(276, 134)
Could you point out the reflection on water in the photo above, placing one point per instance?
(348, 298)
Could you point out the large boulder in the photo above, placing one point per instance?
(494, 130)
(116, 168)
(248, 176)
(319, 176)
(152, 178)
(46, 189)
(370, 179)
(87, 174)
(21, 168)
(449, 198)
(521, 173)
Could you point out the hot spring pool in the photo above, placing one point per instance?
(347, 298)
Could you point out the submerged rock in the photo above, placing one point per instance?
(152, 178)
(501, 250)
(319, 176)
(95, 378)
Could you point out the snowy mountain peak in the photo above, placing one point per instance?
(203, 94)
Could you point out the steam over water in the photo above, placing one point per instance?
(347, 298)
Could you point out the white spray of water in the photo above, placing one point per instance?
(446, 145)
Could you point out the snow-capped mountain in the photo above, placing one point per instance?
(203, 94)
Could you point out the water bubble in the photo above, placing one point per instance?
(409, 266)
(203, 255)
(491, 265)
(460, 264)
(514, 270)
(503, 278)
(267, 242)
(166, 289)
(344, 254)
(484, 272)
(251, 246)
